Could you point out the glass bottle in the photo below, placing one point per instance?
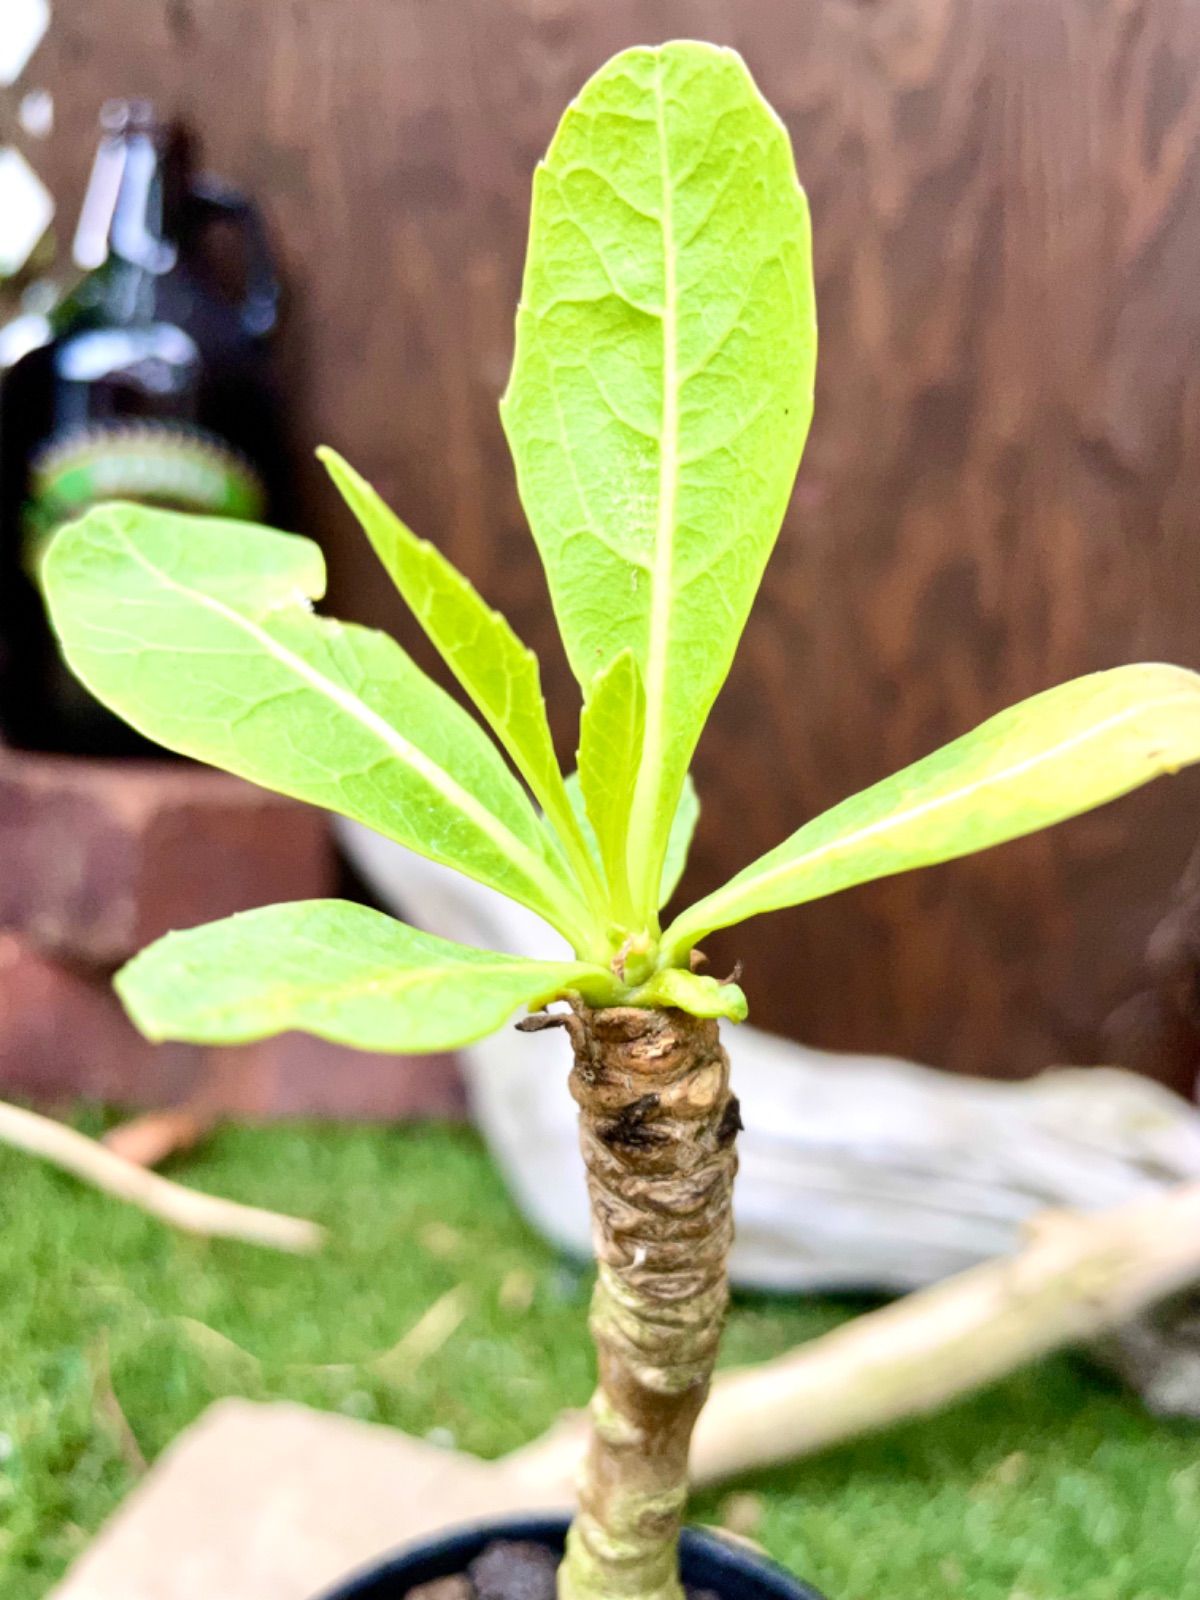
(149, 379)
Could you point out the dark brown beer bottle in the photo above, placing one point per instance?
(149, 380)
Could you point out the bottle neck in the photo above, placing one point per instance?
(138, 232)
(127, 217)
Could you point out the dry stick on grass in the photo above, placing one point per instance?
(108, 1407)
(396, 1366)
(1079, 1277)
(170, 1202)
(149, 1139)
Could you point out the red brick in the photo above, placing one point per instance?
(101, 857)
(64, 1037)
(296, 1075)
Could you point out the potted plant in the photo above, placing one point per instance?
(659, 400)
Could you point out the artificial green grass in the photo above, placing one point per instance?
(1052, 1486)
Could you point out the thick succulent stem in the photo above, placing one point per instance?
(658, 1127)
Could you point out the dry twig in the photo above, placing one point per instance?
(151, 1138)
(184, 1208)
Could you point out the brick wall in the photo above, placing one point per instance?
(98, 858)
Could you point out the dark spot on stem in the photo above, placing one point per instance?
(731, 1121)
(630, 1126)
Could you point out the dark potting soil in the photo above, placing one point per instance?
(509, 1569)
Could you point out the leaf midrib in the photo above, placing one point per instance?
(695, 926)
(441, 781)
(645, 842)
(386, 981)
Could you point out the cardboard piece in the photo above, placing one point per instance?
(278, 1502)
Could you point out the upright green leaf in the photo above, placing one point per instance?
(200, 633)
(610, 743)
(679, 841)
(1048, 758)
(500, 674)
(662, 384)
(338, 970)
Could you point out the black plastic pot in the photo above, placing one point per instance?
(731, 1571)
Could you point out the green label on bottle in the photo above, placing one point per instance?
(154, 463)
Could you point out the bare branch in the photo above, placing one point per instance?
(170, 1202)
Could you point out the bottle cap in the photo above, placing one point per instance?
(128, 116)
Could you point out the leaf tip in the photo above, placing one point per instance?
(338, 468)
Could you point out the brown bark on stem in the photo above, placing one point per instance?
(658, 1127)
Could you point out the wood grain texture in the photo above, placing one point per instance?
(1002, 484)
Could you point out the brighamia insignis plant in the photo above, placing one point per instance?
(659, 400)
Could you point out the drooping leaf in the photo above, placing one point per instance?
(341, 971)
(610, 744)
(500, 674)
(1048, 758)
(679, 842)
(200, 633)
(662, 384)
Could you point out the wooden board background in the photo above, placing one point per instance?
(1001, 488)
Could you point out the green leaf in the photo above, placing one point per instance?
(679, 841)
(1051, 757)
(338, 970)
(692, 992)
(610, 743)
(200, 632)
(687, 814)
(500, 674)
(662, 385)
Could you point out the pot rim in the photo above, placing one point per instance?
(708, 1560)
